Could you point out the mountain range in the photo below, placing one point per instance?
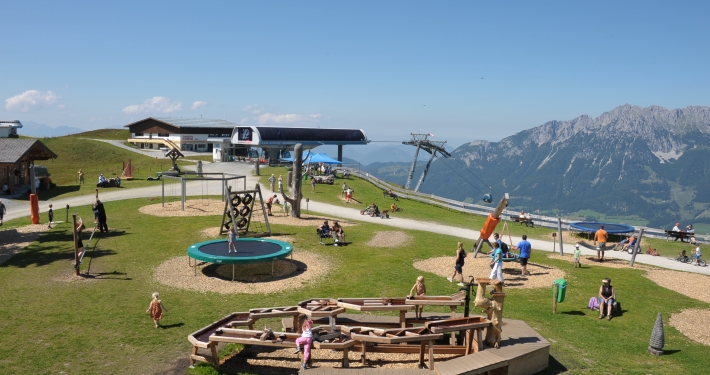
(645, 163)
(35, 129)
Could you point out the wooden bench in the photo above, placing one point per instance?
(676, 235)
(523, 220)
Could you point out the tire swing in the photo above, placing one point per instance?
(241, 223)
(236, 201)
(247, 199)
(244, 212)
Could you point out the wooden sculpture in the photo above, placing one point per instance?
(493, 308)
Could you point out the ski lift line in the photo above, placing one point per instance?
(469, 171)
(464, 178)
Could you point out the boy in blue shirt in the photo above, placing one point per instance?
(525, 250)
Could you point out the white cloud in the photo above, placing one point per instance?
(270, 118)
(31, 100)
(154, 104)
(61, 106)
(198, 104)
(252, 108)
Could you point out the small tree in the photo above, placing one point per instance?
(297, 175)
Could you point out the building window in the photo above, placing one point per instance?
(201, 147)
(223, 135)
(139, 134)
(163, 135)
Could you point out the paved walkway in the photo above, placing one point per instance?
(147, 152)
(21, 208)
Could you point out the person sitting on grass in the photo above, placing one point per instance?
(117, 181)
(606, 298)
(338, 233)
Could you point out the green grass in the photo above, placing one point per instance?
(113, 134)
(94, 158)
(367, 193)
(99, 326)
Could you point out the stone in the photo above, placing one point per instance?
(655, 347)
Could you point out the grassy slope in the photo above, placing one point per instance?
(99, 326)
(94, 158)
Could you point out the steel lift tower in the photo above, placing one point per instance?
(421, 141)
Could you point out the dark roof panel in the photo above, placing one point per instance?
(13, 149)
(311, 134)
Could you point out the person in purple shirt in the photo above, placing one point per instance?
(525, 250)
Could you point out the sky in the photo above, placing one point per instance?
(461, 70)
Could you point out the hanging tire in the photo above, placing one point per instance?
(245, 211)
(247, 199)
(241, 223)
(236, 200)
(227, 224)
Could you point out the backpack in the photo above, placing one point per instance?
(504, 247)
(593, 303)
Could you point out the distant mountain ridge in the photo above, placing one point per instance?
(35, 129)
(649, 162)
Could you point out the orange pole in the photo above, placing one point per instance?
(34, 208)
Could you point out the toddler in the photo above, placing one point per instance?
(232, 239)
(50, 213)
(577, 253)
(156, 309)
(421, 291)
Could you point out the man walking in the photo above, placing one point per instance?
(525, 250)
(601, 236)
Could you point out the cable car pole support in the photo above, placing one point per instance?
(421, 141)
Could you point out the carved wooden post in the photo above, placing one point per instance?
(296, 182)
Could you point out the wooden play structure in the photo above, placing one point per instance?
(512, 346)
(127, 169)
(239, 212)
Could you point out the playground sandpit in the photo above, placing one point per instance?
(267, 361)
(253, 278)
(14, 240)
(688, 323)
(591, 260)
(193, 207)
(389, 239)
(540, 275)
(693, 285)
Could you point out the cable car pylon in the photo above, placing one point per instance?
(421, 141)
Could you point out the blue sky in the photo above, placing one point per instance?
(462, 70)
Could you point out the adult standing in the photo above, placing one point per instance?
(103, 227)
(81, 176)
(458, 265)
(272, 181)
(269, 202)
(525, 250)
(600, 239)
(497, 271)
(2, 211)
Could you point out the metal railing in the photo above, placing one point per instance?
(477, 209)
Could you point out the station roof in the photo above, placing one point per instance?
(13, 150)
(267, 136)
(190, 122)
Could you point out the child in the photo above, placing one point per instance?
(50, 213)
(577, 253)
(156, 309)
(286, 208)
(232, 239)
(306, 338)
(80, 244)
(421, 291)
(697, 254)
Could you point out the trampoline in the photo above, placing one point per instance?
(249, 250)
(591, 227)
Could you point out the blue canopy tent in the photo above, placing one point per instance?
(323, 158)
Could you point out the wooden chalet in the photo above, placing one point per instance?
(16, 155)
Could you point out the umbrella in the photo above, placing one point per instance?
(323, 158)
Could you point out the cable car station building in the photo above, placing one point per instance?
(225, 139)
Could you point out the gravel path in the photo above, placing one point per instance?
(591, 260)
(540, 275)
(389, 239)
(692, 285)
(688, 322)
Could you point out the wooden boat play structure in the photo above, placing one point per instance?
(512, 347)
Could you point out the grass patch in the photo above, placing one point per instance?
(112, 134)
(100, 325)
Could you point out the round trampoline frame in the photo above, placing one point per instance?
(194, 252)
(591, 227)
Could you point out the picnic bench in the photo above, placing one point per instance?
(528, 221)
(676, 235)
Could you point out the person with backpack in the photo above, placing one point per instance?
(525, 250)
